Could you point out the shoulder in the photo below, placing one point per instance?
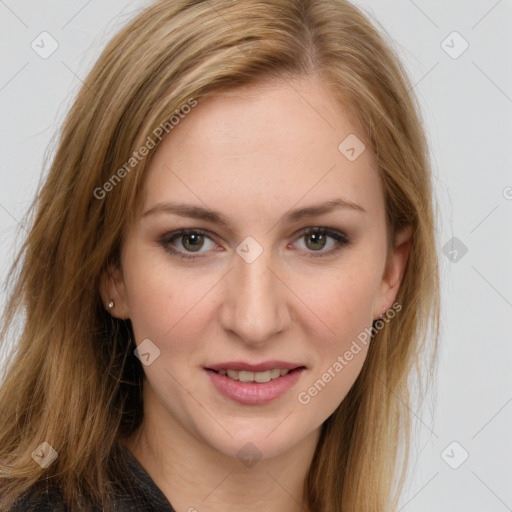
(47, 498)
(40, 499)
(133, 490)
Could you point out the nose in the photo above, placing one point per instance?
(256, 304)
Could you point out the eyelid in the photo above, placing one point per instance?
(167, 238)
(340, 238)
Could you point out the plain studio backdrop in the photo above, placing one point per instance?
(458, 56)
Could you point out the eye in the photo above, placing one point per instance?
(316, 240)
(193, 240)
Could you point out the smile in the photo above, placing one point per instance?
(254, 384)
(261, 377)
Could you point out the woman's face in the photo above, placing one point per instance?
(249, 173)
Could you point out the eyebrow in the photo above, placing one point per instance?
(207, 214)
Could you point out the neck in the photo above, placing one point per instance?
(197, 478)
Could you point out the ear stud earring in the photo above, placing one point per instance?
(111, 304)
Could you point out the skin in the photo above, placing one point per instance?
(252, 154)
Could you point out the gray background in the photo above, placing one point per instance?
(466, 97)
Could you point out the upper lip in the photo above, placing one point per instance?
(249, 367)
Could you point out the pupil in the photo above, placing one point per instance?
(194, 244)
(319, 238)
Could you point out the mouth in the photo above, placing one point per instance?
(260, 377)
(254, 384)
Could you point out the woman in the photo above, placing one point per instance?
(231, 271)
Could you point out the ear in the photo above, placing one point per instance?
(393, 273)
(112, 288)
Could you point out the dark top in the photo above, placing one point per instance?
(148, 497)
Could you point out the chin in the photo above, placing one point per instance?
(249, 444)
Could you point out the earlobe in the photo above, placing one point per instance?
(113, 294)
(394, 271)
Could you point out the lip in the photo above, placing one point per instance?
(254, 393)
(259, 367)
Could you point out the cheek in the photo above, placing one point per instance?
(345, 306)
(167, 305)
(149, 292)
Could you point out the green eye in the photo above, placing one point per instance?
(193, 240)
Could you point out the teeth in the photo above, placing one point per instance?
(261, 377)
(274, 374)
(233, 374)
(246, 376)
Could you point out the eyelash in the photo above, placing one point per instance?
(341, 239)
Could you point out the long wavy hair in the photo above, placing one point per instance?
(71, 378)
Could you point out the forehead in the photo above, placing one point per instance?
(271, 146)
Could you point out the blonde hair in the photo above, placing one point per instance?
(72, 379)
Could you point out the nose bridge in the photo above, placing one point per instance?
(255, 307)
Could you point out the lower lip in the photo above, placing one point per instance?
(254, 393)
